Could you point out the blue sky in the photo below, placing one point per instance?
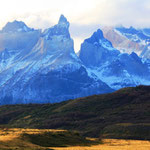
(85, 16)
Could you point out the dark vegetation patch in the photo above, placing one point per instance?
(58, 139)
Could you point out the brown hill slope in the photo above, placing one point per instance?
(122, 114)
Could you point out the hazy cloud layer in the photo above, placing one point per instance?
(85, 16)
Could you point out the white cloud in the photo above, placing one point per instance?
(85, 16)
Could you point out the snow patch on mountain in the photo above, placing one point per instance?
(128, 40)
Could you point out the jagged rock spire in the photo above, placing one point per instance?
(63, 22)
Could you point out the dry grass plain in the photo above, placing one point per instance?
(114, 144)
(13, 139)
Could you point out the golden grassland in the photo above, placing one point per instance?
(12, 139)
(114, 144)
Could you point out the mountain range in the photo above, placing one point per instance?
(42, 67)
(129, 40)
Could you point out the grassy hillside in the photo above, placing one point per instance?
(122, 114)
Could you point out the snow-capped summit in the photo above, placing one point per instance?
(16, 26)
(60, 29)
(18, 39)
(94, 50)
(56, 41)
(63, 22)
(95, 37)
(98, 39)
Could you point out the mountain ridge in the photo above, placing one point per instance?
(41, 67)
(116, 69)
